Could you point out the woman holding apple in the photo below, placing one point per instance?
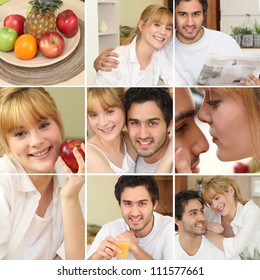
(140, 62)
(39, 209)
(233, 224)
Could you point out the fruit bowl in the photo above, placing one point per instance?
(39, 60)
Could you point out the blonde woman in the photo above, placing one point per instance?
(233, 115)
(140, 63)
(233, 223)
(39, 209)
(109, 149)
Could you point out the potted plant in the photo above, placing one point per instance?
(257, 35)
(247, 37)
(236, 34)
(199, 184)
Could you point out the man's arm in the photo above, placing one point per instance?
(106, 60)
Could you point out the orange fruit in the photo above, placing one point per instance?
(25, 46)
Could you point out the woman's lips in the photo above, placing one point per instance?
(214, 138)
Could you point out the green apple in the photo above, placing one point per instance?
(8, 37)
(28, 10)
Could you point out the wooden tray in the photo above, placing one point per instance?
(48, 75)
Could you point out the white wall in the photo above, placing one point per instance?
(91, 46)
(233, 13)
(71, 103)
(102, 204)
(130, 10)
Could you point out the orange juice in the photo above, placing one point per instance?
(123, 245)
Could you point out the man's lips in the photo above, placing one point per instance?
(144, 143)
(135, 220)
(200, 224)
(189, 29)
(195, 167)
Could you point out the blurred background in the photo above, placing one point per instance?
(71, 103)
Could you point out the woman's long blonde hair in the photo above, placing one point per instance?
(33, 104)
(152, 13)
(250, 99)
(220, 185)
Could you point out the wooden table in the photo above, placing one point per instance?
(14, 6)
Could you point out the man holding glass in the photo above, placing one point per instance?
(150, 234)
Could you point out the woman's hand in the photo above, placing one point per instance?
(215, 227)
(72, 214)
(74, 182)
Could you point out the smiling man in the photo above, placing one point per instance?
(150, 233)
(149, 121)
(193, 42)
(190, 142)
(190, 223)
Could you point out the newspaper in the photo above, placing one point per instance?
(229, 69)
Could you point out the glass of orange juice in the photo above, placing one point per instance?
(123, 245)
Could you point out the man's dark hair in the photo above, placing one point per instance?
(204, 4)
(127, 181)
(161, 96)
(170, 5)
(182, 199)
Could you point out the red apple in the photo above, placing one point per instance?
(16, 22)
(51, 44)
(67, 23)
(240, 168)
(66, 152)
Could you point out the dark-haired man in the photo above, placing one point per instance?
(150, 233)
(193, 42)
(149, 113)
(190, 223)
(190, 142)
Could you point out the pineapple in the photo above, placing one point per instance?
(42, 19)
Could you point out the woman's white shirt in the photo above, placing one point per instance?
(24, 235)
(128, 72)
(246, 227)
